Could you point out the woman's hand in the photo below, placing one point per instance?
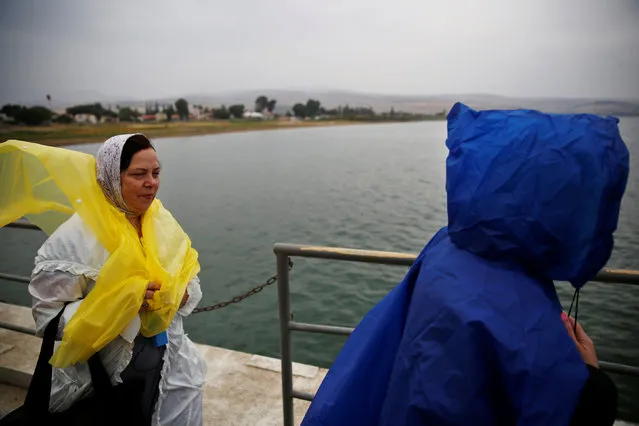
(148, 295)
(584, 344)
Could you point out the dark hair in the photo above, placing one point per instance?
(132, 145)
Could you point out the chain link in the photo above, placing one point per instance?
(241, 297)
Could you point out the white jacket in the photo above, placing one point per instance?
(66, 268)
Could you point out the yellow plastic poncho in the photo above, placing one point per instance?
(47, 185)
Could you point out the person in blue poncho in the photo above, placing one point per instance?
(475, 333)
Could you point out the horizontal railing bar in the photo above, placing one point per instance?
(618, 276)
(17, 328)
(613, 367)
(16, 278)
(322, 329)
(306, 396)
(608, 366)
(339, 253)
(22, 224)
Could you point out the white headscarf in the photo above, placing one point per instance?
(108, 170)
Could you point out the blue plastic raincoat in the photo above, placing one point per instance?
(473, 334)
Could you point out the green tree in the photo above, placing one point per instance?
(12, 111)
(261, 103)
(270, 105)
(299, 110)
(35, 116)
(221, 113)
(182, 108)
(128, 114)
(237, 111)
(313, 108)
(289, 114)
(169, 111)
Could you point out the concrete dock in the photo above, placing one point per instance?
(240, 389)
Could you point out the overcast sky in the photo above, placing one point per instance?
(145, 49)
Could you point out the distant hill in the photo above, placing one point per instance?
(427, 104)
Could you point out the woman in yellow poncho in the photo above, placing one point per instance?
(124, 273)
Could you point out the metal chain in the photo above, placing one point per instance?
(238, 299)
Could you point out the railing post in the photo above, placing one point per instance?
(284, 302)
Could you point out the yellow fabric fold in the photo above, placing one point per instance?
(47, 185)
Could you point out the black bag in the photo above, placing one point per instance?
(106, 405)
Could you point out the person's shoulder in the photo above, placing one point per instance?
(74, 229)
(477, 290)
(71, 242)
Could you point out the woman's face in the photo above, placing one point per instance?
(141, 181)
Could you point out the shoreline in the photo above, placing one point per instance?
(76, 134)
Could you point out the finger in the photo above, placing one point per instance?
(149, 294)
(153, 286)
(580, 332)
(569, 326)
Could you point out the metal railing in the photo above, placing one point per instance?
(283, 252)
(287, 324)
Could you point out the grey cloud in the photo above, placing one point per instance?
(146, 49)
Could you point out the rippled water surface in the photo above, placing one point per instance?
(375, 187)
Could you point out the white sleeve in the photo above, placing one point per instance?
(50, 292)
(195, 295)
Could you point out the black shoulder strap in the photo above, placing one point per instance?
(99, 376)
(39, 392)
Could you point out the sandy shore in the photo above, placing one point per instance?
(68, 134)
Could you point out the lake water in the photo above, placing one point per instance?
(370, 186)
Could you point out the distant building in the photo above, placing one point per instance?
(194, 113)
(85, 119)
(253, 114)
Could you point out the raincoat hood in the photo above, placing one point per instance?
(543, 190)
